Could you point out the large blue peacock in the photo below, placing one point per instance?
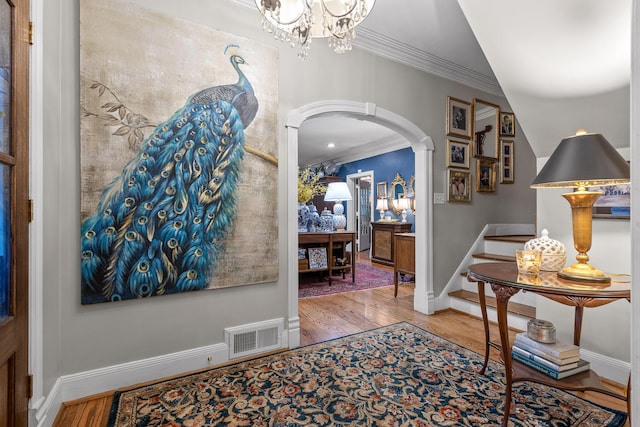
(159, 227)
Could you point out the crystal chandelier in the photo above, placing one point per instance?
(298, 21)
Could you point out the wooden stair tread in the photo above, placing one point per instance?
(517, 238)
(495, 257)
(513, 307)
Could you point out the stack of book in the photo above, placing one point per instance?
(558, 360)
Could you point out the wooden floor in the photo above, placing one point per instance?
(333, 316)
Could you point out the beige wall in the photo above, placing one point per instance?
(80, 338)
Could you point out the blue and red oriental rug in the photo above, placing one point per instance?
(316, 284)
(398, 375)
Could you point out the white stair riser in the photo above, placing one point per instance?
(481, 260)
(514, 320)
(526, 298)
(502, 248)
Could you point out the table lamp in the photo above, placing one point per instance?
(404, 204)
(581, 161)
(382, 205)
(337, 192)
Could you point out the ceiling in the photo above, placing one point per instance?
(562, 65)
(550, 59)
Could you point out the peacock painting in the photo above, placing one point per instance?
(166, 222)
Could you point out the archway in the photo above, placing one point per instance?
(422, 146)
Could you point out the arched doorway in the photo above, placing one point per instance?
(422, 146)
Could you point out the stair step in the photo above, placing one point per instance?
(516, 238)
(495, 257)
(513, 307)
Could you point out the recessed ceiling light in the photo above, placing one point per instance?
(331, 145)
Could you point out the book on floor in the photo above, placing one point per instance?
(558, 350)
(583, 366)
(555, 366)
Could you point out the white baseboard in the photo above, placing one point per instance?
(515, 321)
(608, 367)
(82, 384)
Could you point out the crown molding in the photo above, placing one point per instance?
(394, 50)
(371, 149)
(387, 47)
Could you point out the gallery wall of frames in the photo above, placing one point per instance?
(480, 148)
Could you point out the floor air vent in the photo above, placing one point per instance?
(254, 338)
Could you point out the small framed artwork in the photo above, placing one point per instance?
(457, 154)
(317, 258)
(458, 186)
(507, 162)
(485, 176)
(458, 118)
(382, 190)
(615, 202)
(507, 124)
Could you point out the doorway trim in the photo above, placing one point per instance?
(351, 214)
(422, 146)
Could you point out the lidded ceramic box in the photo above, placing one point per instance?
(554, 255)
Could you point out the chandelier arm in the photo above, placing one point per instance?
(325, 9)
(264, 11)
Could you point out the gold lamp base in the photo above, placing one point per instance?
(584, 273)
(581, 202)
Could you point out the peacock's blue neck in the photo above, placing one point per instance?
(242, 79)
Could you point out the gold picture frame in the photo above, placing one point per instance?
(382, 190)
(507, 162)
(458, 154)
(507, 124)
(458, 118)
(486, 116)
(458, 186)
(485, 176)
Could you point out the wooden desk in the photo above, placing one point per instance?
(382, 242)
(332, 242)
(405, 257)
(506, 282)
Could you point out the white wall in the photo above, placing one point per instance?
(81, 338)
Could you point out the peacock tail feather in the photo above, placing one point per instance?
(159, 226)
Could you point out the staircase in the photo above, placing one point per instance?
(496, 244)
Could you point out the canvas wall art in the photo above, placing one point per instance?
(178, 159)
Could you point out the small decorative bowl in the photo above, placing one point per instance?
(541, 330)
(528, 261)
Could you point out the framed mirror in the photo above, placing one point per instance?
(486, 129)
(398, 189)
(412, 193)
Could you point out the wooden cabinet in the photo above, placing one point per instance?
(405, 257)
(333, 245)
(382, 241)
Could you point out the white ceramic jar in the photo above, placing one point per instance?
(554, 255)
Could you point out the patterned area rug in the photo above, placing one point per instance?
(398, 375)
(367, 277)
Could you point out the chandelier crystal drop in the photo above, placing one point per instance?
(298, 21)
